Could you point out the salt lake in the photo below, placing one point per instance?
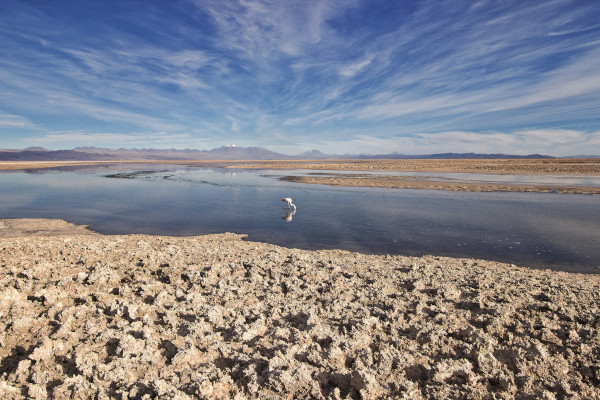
(540, 230)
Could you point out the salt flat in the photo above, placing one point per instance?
(137, 316)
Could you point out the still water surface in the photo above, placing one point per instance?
(539, 230)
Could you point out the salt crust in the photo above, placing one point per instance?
(138, 317)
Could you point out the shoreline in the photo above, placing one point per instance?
(215, 316)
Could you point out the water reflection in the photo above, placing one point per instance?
(288, 215)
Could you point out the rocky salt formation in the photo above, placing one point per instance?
(139, 317)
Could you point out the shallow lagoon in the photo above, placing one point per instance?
(541, 230)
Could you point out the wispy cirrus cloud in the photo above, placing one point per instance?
(354, 68)
(297, 72)
(570, 142)
(271, 29)
(579, 78)
(527, 141)
(14, 121)
(135, 139)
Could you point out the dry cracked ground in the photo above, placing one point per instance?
(87, 316)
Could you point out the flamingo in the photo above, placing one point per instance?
(289, 202)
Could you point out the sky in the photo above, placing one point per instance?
(340, 76)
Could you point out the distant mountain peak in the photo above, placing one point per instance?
(35, 149)
(313, 154)
(313, 151)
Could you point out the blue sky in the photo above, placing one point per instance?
(360, 76)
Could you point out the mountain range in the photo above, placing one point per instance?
(229, 152)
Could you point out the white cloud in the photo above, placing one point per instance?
(366, 144)
(14, 121)
(70, 139)
(256, 27)
(581, 77)
(108, 137)
(555, 142)
(111, 113)
(352, 69)
(479, 67)
(398, 107)
(235, 125)
(188, 58)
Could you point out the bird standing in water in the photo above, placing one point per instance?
(289, 202)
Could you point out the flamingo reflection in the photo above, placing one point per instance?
(288, 216)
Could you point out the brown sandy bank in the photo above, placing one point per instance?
(579, 166)
(40, 227)
(133, 317)
(425, 183)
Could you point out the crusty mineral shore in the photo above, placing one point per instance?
(426, 183)
(40, 227)
(133, 317)
(542, 166)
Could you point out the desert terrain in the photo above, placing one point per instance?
(558, 166)
(86, 315)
